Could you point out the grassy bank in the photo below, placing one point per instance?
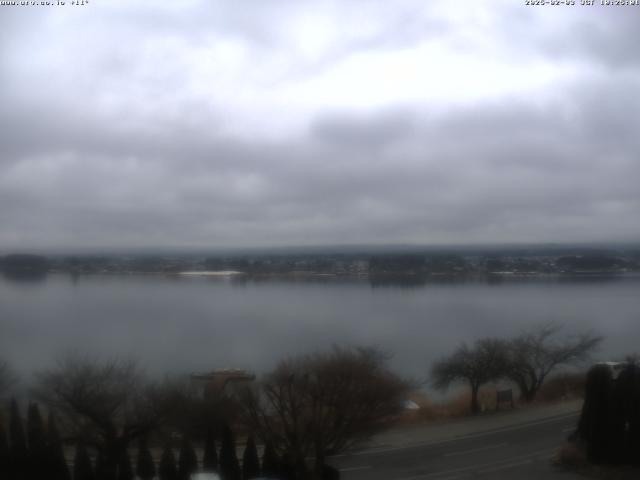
(561, 387)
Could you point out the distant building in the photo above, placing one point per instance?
(214, 382)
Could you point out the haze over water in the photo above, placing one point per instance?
(174, 325)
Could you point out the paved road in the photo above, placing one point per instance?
(513, 452)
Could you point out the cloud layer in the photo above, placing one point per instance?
(211, 124)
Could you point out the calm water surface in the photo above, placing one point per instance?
(174, 324)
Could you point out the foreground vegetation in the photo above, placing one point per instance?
(606, 442)
(309, 407)
(525, 360)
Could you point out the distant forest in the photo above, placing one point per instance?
(375, 264)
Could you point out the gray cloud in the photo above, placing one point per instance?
(121, 141)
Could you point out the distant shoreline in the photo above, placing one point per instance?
(376, 278)
(210, 273)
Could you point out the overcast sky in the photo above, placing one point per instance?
(287, 122)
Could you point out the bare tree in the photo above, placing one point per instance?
(321, 404)
(194, 411)
(476, 365)
(108, 403)
(536, 353)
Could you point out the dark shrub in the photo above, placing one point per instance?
(250, 461)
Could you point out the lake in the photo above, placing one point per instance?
(184, 324)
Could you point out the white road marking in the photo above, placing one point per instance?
(505, 466)
(473, 450)
(353, 469)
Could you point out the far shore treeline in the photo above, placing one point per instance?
(376, 263)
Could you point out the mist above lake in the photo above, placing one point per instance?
(185, 324)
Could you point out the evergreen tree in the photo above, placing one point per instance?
(330, 473)
(287, 467)
(229, 467)
(250, 461)
(4, 453)
(210, 458)
(106, 466)
(37, 441)
(125, 471)
(56, 463)
(619, 421)
(167, 469)
(610, 415)
(593, 424)
(145, 468)
(102, 470)
(18, 452)
(188, 461)
(634, 416)
(82, 468)
(270, 461)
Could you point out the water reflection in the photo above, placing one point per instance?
(174, 323)
(25, 276)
